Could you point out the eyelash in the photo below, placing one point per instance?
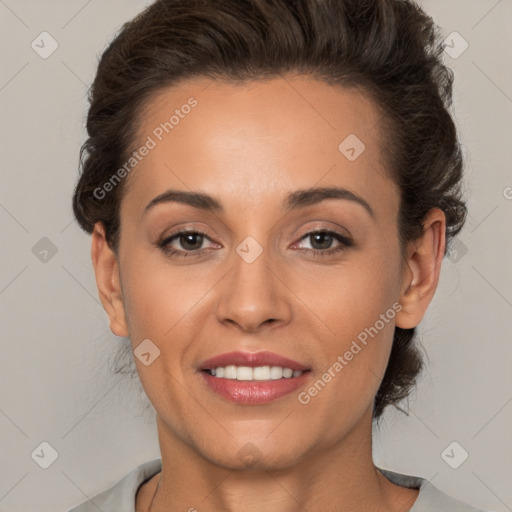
(164, 244)
(343, 240)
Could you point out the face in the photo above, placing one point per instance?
(289, 260)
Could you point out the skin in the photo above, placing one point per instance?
(249, 146)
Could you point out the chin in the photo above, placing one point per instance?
(256, 457)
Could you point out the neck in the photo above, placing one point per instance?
(340, 477)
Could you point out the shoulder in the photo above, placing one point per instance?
(121, 496)
(430, 498)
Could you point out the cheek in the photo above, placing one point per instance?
(354, 358)
(359, 308)
(352, 297)
(161, 305)
(157, 296)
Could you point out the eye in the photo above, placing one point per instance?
(317, 243)
(183, 243)
(320, 242)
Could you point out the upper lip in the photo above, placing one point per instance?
(251, 359)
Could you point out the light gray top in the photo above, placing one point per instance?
(121, 496)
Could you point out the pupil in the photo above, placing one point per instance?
(187, 241)
(322, 239)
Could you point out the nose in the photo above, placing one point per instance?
(253, 296)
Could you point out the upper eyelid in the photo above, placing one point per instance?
(343, 232)
(181, 232)
(340, 238)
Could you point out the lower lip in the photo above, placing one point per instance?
(254, 392)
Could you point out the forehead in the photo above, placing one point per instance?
(257, 140)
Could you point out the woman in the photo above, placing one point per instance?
(270, 187)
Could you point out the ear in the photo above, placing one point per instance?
(108, 281)
(422, 270)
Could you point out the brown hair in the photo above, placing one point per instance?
(389, 48)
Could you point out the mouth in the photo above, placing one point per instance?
(253, 378)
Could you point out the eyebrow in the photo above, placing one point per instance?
(294, 200)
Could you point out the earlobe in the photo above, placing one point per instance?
(106, 270)
(422, 271)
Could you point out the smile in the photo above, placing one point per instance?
(253, 378)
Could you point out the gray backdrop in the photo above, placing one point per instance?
(56, 348)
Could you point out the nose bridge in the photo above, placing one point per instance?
(253, 296)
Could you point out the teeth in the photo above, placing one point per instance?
(233, 372)
(243, 373)
(276, 372)
(261, 373)
(230, 372)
